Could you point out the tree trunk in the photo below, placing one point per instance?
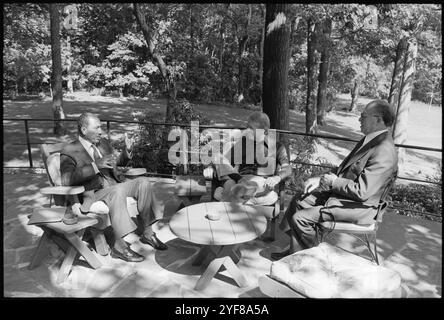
(222, 37)
(149, 35)
(56, 76)
(323, 72)
(69, 83)
(354, 96)
(404, 98)
(241, 49)
(261, 48)
(397, 72)
(310, 106)
(276, 63)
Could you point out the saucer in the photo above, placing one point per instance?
(135, 172)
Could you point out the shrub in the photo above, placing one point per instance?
(151, 147)
(420, 200)
(304, 148)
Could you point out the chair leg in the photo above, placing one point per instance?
(270, 233)
(320, 234)
(376, 252)
(373, 255)
(102, 247)
(38, 254)
(65, 269)
(76, 242)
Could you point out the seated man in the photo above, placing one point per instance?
(353, 192)
(91, 162)
(252, 182)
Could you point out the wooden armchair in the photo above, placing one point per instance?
(69, 238)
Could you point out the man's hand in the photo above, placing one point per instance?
(271, 182)
(106, 162)
(129, 143)
(327, 180)
(311, 184)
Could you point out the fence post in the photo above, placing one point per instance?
(28, 144)
(107, 129)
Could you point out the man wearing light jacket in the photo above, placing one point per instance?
(352, 193)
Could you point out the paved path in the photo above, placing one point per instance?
(410, 246)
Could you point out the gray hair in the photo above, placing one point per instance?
(83, 120)
(384, 109)
(260, 118)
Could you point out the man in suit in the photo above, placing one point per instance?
(353, 191)
(91, 162)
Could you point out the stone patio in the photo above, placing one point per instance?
(410, 246)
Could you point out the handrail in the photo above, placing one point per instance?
(108, 121)
(317, 135)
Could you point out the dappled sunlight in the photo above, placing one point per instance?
(278, 22)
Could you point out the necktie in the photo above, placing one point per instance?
(355, 149)
(95, 153)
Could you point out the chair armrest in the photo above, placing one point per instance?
(63, 190)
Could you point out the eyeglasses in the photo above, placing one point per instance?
(363, 116)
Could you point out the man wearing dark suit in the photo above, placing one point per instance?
(91, 162)
(352, 193)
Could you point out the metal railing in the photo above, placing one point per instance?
(202, 127)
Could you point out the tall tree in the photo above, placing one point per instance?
(150, 35)
(57, 99)
(276, 63)
(242, 40)
(323, 71)
(310, 105)
(404, 95)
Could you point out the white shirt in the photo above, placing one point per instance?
(371, 136)
(89, 148)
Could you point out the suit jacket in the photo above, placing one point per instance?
(76, 169)
(362, 178)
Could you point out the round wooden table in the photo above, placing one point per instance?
(237, 224)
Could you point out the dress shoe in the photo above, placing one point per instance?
(279, 255)
(153, 241)
(127, 254)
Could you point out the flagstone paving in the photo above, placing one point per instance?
(410, 246)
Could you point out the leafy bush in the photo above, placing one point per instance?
(151, 147)
(418, 200)
(304, 148)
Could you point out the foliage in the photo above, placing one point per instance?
(209, 48)
(151, 147)
(418, 199)
(304, 148)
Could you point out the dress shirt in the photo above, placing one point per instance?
(89, 148)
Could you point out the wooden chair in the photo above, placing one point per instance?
(367, 231)
(70, 237)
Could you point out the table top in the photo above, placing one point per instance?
(55, 215)
(238, 223)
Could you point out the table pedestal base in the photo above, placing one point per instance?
(224, 256)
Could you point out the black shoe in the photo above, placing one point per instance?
(279, 255)
(154, 242)
(127, 255)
